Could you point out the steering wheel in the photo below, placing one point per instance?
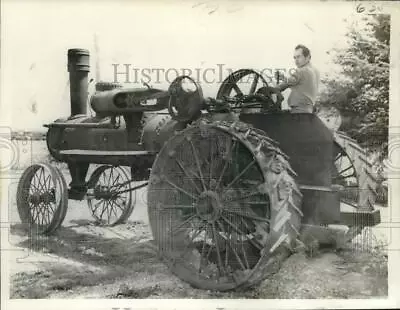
(185, 101)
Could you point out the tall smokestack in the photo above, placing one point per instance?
(78, 68)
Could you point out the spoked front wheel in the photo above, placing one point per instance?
(110, 198)
(42, 198)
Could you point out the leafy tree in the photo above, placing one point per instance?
(361, 89)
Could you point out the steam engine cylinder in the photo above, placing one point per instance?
(78, 68)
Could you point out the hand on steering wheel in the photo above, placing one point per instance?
(278, 93)
(267, 92)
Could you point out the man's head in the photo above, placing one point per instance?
(302, 55)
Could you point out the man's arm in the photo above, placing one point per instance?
(281, 87)
(292, 80)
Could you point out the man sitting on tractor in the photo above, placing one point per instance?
(304, 82)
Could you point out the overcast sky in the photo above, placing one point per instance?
(36, 36)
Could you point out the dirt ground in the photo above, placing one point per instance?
(82, 260)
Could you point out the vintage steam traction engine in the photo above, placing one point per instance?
(233, 182)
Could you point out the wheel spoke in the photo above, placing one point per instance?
(344, 170)
(263, 203)
(108, 211)
(42, 215)
(245, 256)
(39, 211)
(226, 247)
(232, 248)
(196, 157)
(96, 206)
(179, 188)
(236, 88)
(40, 177)
(120, 185)
(40, 219)
(338, 156)
(254, 84)
(38, 215)
(51, 208)
(237, 229)
(50, 211)
(187, 248)
(34, 210)
(228, 155)
(48, 214)
(250, 216)
(242, 220)
(114, 209)
(37, 176)
(118, 206)
(105, 204)
(187, 175)
(179, 207)
(344, 177)
(339, 160)
(45, 213)
(47, 182)
(203, 248)
(43, 177)
(33, 186)
(220, 266)
(250, 194)
(240, 174)
(115, 180)
(110, 176)
(174, 230)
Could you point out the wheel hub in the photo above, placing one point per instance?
(103, 192)
(209, 206)
(35, 198)
(46, 197)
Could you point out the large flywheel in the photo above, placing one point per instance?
(248, 90)
(223, 205)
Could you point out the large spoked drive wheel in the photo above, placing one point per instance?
(222, 205)
(109, 196)
(42, 198)
(354, 174)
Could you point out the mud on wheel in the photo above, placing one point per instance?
(223, 205)
(42, 198)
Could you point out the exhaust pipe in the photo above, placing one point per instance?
(78, 68)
